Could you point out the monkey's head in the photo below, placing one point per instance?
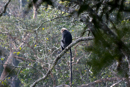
(62, 30)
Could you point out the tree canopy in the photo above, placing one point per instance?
(30, 42)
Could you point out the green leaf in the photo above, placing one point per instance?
(2, 59)
(18, 53)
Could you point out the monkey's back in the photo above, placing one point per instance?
(67, 38)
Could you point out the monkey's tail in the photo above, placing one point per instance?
(70, 68)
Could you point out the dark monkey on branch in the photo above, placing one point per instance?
(66, 40)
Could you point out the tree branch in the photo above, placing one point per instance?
(116, 83)
(59, 56)
(5, 7)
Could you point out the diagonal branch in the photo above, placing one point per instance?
(5, 7)
(113, 85)
(59, 56)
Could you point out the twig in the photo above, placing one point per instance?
(116, 83)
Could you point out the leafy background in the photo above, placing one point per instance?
(92, 60)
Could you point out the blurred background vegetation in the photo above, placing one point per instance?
(31, 32)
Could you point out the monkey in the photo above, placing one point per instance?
(66, 40)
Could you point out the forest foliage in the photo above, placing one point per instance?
(30, 31)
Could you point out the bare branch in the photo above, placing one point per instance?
(59, 56)
(116, 83)
(5, 7)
